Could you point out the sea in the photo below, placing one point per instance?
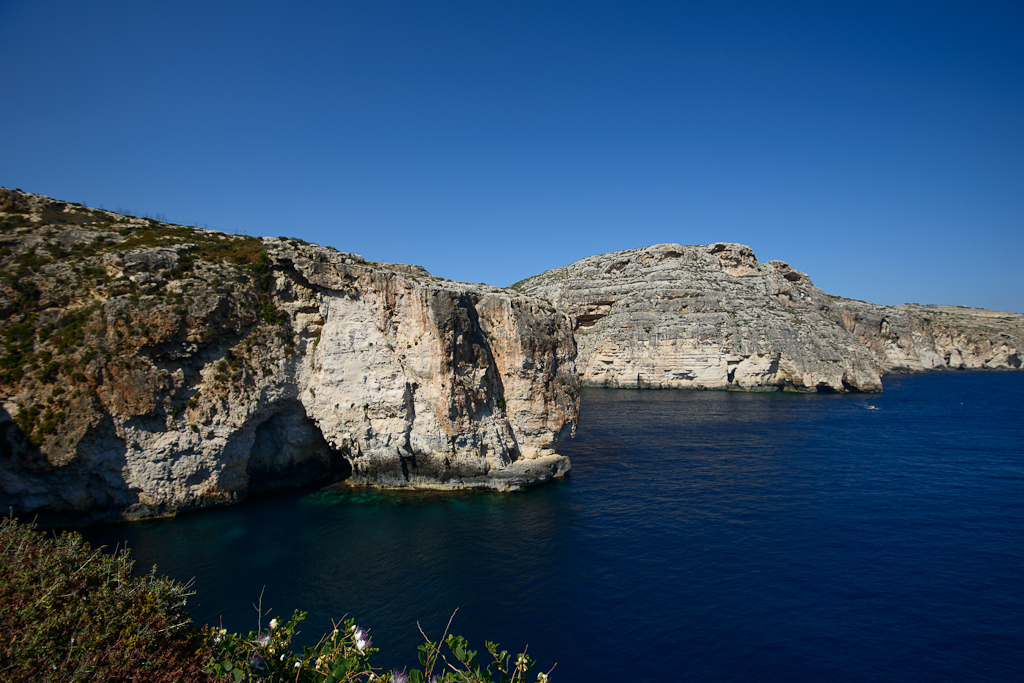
(701, 536)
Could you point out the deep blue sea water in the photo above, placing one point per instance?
(702, 536)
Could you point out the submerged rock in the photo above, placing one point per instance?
(150, 368)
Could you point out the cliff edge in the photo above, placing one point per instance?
(149, 368)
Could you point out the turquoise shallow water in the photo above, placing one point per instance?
(702, 536)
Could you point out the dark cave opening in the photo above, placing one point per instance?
(288, 450)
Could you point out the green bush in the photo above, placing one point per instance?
(261, 270)
(342, 656)
(71, 613)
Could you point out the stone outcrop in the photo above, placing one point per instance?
(706, 317)
(150, 368)
(916, 338)
(713, 317)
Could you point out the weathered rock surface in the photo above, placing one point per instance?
(708, 317)
(713, 317)
(916, 338)
(149, 368)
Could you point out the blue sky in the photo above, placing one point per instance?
(877, 146)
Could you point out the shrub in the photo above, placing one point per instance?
(261, 270)
(342, 656)
(72, 613)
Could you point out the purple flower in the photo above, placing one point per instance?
(264, 640)
(399, 676)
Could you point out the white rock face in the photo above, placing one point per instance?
(439, 384)
(706, 317)
(916, 338)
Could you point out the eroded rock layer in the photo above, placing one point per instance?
(713, 317)
(916, 338)
(149, 368)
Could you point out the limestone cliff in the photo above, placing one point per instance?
(713, 317)
(149, 368)
(916, 338)
(708, 317)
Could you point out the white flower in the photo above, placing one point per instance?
(282, 658)
(297, 664)
(273, 624)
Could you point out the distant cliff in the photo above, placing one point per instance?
(713, 317)
(916, 338)
(148, 368)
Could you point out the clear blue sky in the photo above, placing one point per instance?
(877, 146)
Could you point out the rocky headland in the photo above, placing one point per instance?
(714, 317)
(149, 368)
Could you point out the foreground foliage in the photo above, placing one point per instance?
(73, 613)
(342, 655)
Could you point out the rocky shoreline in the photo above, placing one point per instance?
(149, 368)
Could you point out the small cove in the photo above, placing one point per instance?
(702, 535)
